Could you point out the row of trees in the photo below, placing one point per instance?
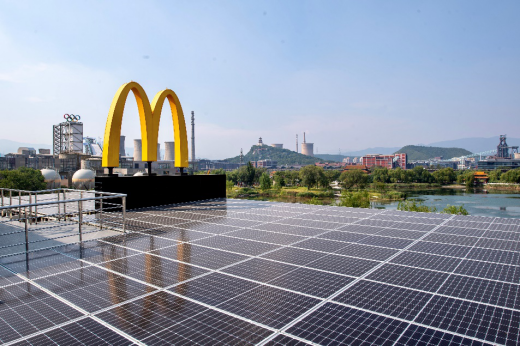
(511, 176)
(312, 176)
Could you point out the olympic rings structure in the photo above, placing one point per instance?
(71, 117)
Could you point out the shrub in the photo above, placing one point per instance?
(460, 210)
(415, 206)
(355, 199)
(306, 195)
(314, 201)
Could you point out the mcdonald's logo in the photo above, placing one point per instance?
(149, 117)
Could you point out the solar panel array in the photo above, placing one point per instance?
(239, 272)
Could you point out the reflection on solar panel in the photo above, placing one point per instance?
(237, 272)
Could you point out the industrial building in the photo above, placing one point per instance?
(389, 161)
(307, 148)
(277, 145)
(506, 157)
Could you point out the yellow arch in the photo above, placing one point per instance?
(179, 125)
(149, 118)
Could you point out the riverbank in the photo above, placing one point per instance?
(514, 187)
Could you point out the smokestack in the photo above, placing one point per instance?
(169, 150)
(296, 143)
(193, 139)
(138, 151)
(304, 137)
(158, 151)
(122, 146)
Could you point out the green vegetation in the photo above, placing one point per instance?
(354, 199)
(354, 178)
(23, 178)
(417, 206)
(281, 155)
(265, 181)
(414, 206)
(423, 152)
(511, 176)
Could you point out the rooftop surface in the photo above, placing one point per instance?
(238, 272)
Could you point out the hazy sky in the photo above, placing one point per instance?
(351, 74)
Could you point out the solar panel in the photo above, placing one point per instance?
(239, 272)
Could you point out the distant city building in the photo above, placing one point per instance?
(355, 160)
(346, 160)
(277, 145)
(389, 161)
(260, 142)
(206, 164)
(266, 163)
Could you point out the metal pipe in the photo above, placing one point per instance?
(80, 207)
(59, 208)
(64, 206)
(101, 215)
(124, 214)
(3, 212)
(30, 207)
(10, 204)
(19, 204)
(26, 233)
(36, 208)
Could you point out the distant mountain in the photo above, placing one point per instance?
(281, 155)
(8, 146)
(477, 144)
(424, 152)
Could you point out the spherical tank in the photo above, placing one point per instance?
(84, 179)
(52, 178)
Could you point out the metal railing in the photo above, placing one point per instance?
(54, 217)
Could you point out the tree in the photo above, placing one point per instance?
(353, 178)
(469, 179)
(511, 176)
(23, 178)
(246, 174)
(494, 176)
(332, 175)
(265, 181)
(279, 178)
(310, 175)
(445, 175)
(380, 174)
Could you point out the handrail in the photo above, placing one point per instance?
(64, 201)
(58, 190)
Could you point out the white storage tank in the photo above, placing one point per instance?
(52, 178)
(84, 179)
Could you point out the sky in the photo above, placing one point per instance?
(351, 74)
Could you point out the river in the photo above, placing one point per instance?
(478, 203)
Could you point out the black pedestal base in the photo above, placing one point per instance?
(146, 191)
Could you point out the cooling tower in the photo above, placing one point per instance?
(138, 151)
(122, 146)
(308, 149)
(169, 150)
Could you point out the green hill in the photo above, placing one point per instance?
(424, 152)
(281, 155)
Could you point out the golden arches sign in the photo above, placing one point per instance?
(149, 117)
